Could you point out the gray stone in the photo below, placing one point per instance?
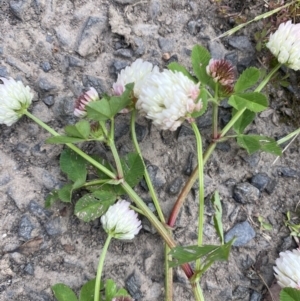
(49, 100)
(241, 293)
(45, 85)
(75, 62)
(245, 193)
(216, 49)
(141, 132)
(3, 71)
(193, 27)
(126, 1)
(54, 227)
(232, 57)
(255, 296)
(46, 66)
(223, 146)
(25, 227)
(175, 186)
(138, 46)
(243, 233)
(41, 111)
(252, 160)
(18, 8)
(96, 82)
(153, 174)
(166, 45)
(133, 284)
(241, 43)
(29, 269)
(260, 181)
(91, 34)
(125, 53)
(286, 244)
(154, 9)
(38, 210)
(4, 179)
(287, 172)
(117, 66)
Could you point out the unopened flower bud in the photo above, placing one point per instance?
(284, 43)
(287, 269)
(83, 100)
(15, 98)
(120, 221)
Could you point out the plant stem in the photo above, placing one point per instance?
(72, 147)
(288, 137)
(198, 292)
(201, 189)
(100, 268)
(189, 184)
(168, 270)
(111, 144)
(215, 114)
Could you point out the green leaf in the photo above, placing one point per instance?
(80, 130)
(247, 79)
(174, 66)
(99, 110)
(200, 59)
(218, 215)
(246, 118)
(106, 109)
(253, 143)
(289, 294)
(110, 289)
(63, 293)
(73, 165)
(65, 193)
(133, 168)
(122, 292)
(208, 254)
(92, 206)
(51, 198)
(87, 291)
(117, 103)
(253, 101)
(64, 140)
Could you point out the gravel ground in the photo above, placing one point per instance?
(60, 47)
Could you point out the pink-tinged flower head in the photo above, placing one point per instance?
(135, 73)
(222, 72)
(83, 100)
(284, 43)
(15, 98)
(121, 222)
(168, 98)
(287, 269)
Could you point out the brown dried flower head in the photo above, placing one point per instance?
(223, 73)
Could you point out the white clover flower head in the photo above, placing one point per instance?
(83, 100)
(287, 269)
(284, 43)
(121, 222)
(135, 73)
(14, 99)
(168, 98)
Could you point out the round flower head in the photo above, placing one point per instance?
(83, 100)
(121, 222)
(14, 99)
(287, 269)
(222, 72)
(136, 73)
(284, 43)
(168, 98)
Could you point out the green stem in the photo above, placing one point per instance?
(201, 189)
(215, 114)
(198, 292)
(289, 136)
(111, 143)
(146, 174)
(100, 268)
(168, 270)
(72, 147)
(93, 183)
